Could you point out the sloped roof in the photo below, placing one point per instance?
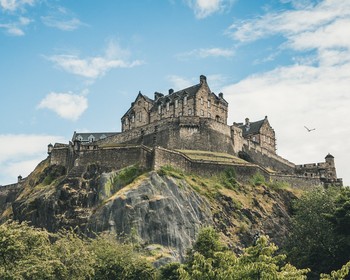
(190, 91)
(84, 137)
(253, 128)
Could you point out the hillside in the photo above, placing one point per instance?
(163, 207)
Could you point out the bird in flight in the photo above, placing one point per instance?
(309, 129)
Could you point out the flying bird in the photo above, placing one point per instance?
(309, 129)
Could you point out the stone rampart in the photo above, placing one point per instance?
(244, 172)
(178, 133)
(116, 157)
(204, 167)
(268, 159)
(295, 181)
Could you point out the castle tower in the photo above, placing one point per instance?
(330, 169)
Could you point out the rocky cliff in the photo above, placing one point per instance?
(163, 207)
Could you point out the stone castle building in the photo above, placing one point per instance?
(194, 101)
(188, 129)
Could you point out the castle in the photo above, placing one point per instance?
(188, 129)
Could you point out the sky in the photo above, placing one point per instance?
(70, 66)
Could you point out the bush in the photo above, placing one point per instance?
(258, 179)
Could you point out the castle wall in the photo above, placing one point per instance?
(116, 157)
(267, 159)
(59, 156)
(206, 168)
(299, 182)
(192, 133)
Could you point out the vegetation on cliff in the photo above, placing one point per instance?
(160, 213)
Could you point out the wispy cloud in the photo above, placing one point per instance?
(20, 153)
(13, 5)
(63, 19)
(207, 52)
(67, 105)
(16, 28)
(94, 67)
(205, 8)
(179, 82)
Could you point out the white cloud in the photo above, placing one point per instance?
(20, 153)
(179, 82)
(295, 96)
(208, 52)
(66, 105)
(16, 28)
(314, 92)
(204, 8)
(63, 19)
(94, 67)
(13, 5)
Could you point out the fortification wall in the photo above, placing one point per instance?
(59, 156)
(299, 182)
(267, 159)
(204, 168)
(8, 195)
(116, 157)
(179, 133)
(210, 168)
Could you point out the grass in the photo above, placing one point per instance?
(212, 156)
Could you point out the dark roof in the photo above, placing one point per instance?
(253, 128)
(329, 156)
(190, 91)
(84, 137)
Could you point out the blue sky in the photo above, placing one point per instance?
(70, 66)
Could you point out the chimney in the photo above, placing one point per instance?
(247, 123)
(157, 95)
(221, 95)
(171, 91)
(202, 79)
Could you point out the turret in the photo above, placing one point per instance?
(330, 171)
(49, 149)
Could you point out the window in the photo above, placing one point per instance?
(176, 103)
(209, 103)
(189, 111)
(133, 118)
(91, 138)
(139, 116)
(202, 101)
(167, 106)
(202, 113)
(209, 115)
(185, 100)
(159, 109)
(126, 121)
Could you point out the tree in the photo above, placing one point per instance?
(320, 235)
(218, 263)
(26, 253)
(115, 260)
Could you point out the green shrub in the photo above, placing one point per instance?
(258, 179)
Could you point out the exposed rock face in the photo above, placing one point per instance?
(155, 208)
(158, 209)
